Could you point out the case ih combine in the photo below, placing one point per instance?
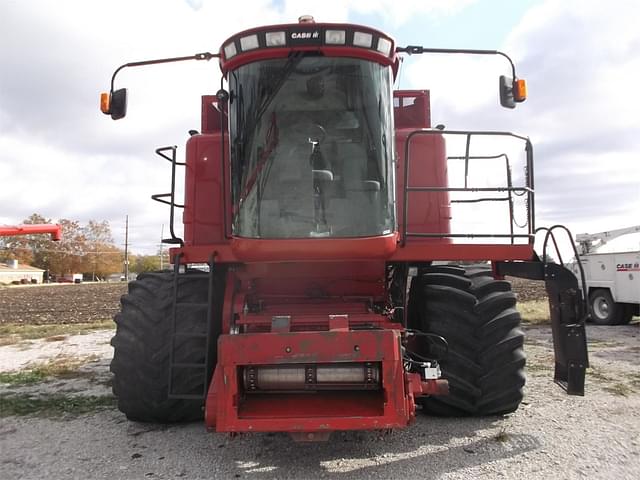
(310, 292)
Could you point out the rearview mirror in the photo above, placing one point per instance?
(506, 92)
(114, 103)
(512, 91)
(118, 104)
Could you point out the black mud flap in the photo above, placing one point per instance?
(568, 317)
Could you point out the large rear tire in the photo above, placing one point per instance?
(476, 315)
(142, 345)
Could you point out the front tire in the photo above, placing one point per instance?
(142, 345)
(476, 315)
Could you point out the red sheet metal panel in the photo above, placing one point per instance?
(230, 409)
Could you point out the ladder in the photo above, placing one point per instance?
(568, 311)
(181, 368)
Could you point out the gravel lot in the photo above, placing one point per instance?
(551, 435)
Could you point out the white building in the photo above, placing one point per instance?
(12, 272)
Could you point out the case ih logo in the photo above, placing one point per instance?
(628, 267)
(305, 35)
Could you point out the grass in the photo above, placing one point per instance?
(60, 367)
(53, 405)
(12, 333)
(535, 312)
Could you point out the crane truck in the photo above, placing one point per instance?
(612, 279)
(318, 285)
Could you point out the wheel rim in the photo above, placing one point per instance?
(601, 308)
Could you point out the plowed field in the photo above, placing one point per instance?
(60, 303)
(92, 302)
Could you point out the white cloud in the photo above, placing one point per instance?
(395, 11)
(581, 65)
(65, 159)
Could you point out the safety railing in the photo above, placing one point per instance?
(505, 192)
(162, 197)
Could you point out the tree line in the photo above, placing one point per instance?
(84, 248)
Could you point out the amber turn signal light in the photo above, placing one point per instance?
(520, 90)
(105, 100)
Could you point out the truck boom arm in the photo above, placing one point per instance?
(30, 229)
(591, 242)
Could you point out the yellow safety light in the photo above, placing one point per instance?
(520, 90)
(105, 103)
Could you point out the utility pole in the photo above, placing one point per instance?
(126, 249)
(161, 237)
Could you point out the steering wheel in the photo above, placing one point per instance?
(316, 134)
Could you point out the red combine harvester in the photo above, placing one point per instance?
(314, 288)
(31, 229)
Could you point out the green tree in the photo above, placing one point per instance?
(69, 252)
(145, 263)
(102, 257)
(87, 249)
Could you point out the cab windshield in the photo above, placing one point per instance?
(311, 148)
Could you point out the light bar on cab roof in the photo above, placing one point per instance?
(384, 46)
(275, 39)
(309, 34)
(230, 50)
(362, 39)
(249, 42)
(335, 37)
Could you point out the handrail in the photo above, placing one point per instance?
(527, 189)
(160, 197)
(550, 236)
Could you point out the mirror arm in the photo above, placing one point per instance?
(197, 56)
(413, 50)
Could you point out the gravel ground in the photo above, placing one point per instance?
(551, 435)
(23, 354)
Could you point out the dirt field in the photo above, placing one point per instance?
(91, 302)
(60, 303)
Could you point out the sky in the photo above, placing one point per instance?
(62, 158)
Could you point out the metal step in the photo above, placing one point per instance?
(568, 312)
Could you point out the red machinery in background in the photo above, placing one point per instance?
(314, 288)
(30, 229)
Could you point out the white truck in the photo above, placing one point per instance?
(612, 279)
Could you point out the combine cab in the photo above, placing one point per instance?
(316, 288)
